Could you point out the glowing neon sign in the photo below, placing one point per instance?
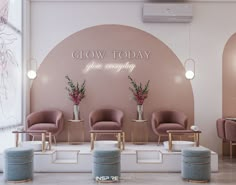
(117, 67)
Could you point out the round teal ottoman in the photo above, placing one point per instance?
(18, 164)
(106, 164)
(196, 164)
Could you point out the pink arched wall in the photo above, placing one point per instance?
(229, 78)
(105, 87)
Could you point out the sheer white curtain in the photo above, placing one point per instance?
(10, 66)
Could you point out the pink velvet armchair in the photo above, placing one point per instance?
(50, 120)
(106, 119)
(220, 127)
(168, 120)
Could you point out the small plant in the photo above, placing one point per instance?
(76, 93)
(140, 93)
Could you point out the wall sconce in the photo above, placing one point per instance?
(31, 74)
(32, 69)
(189, 66)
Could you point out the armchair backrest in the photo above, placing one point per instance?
(220, 127)
(45, 116)
(230, 130)
(170, 117)
(115, 115)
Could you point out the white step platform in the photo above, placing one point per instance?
(135, 158)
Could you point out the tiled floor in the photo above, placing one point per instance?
(225, 176)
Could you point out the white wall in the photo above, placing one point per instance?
(213, 24)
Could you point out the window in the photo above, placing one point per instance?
(10, 63)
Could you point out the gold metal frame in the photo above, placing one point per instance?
(20, 181)
(119, 135)
(43, 136)
(196, 136)
(196, 181)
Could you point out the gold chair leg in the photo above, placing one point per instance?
(159, 139)
(170, 142)
(17, 139)
(119, 140)
(222, 148)
(231, 151)
(197, 139)
(92, 138)
(43, 142)
(49, 141)
(55, 141)
(123, 140)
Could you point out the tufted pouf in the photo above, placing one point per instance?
(196, 164)
(106, 164)
(18, 164)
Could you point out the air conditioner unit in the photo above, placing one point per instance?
(167, 12)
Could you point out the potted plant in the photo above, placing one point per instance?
(76, 94)
(140, 93)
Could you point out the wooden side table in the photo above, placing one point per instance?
(139, 133)
(77, 125)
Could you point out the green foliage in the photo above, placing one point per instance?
(76, 93)
(139, 93)
(138, 88)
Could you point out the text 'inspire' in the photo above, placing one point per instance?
(115, 54)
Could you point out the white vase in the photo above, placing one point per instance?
(139, 112)
(76, 113)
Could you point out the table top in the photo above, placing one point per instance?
(233, 119)
(139, 121)
(183, 131)
(75, 121)
(106, 131)
(30, 131)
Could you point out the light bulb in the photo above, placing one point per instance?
(31, 74)
(189, 75)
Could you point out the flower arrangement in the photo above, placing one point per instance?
(140, 93)
(76, 93)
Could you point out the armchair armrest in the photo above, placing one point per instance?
(59, 119)
(118, 117)
(33, 118)
(183, 120)
(155, 122)
(92, 118)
